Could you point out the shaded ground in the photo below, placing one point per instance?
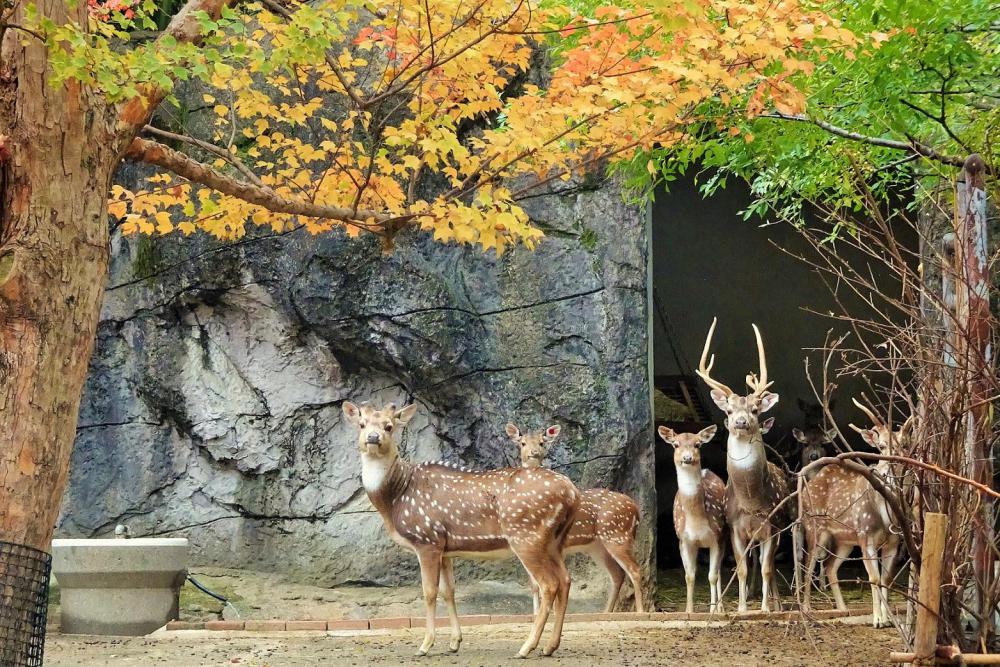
(746, 645)
(263, 595)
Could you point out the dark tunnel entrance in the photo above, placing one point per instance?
(708, 261)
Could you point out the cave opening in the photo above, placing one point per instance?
(708, 261)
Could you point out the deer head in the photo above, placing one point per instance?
(742, 412)
(812, 442)
(880, 436)
(687, 446)
(378, 429)
(534, 445)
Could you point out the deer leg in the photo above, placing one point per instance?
(561, 603)
(430, 574)
(622, 553)
(615, 572)
(689, 556)
(833, 563)
(714, 584)
(740, 554)
(812, 554)
(448, 590)
(890, 551)
(536, 561)
(767, 585)
(871, 561)
(534, 594)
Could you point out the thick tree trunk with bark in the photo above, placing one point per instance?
(53, 260)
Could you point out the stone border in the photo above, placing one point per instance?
(403, 622)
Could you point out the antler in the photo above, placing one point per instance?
(871, 415)
(704, 372)
(761, 385)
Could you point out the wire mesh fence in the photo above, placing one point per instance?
(24, 591)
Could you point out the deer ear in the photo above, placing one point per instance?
(799, 435)
(830, 435)
(352, 413)
(552, 432)
(706, 434)
(767, 401)
(766, 426)
(512, 431)
(721, 398)
(406, 414)
(668, 435)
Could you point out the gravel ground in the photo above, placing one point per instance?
(743, 645)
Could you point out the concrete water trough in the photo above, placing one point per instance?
(118, 587)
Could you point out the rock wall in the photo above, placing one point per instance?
(213, 405)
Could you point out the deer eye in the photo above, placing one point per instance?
(388, 428)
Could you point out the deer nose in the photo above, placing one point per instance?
(687, 459)
(741, 422)
(814, 456)
(373, 438)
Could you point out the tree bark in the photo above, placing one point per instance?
(53, 263)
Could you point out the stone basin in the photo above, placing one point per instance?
(119, 587)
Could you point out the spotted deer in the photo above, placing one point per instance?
(440, 512)
(756, 486)
(699, 514)
(813, 441)
(841, 510)
(605, 522)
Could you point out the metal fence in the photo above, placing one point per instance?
(24, 591)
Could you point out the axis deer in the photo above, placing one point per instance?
(440, 511)
(605, 522)
(812, 446)
(699, 515)
(755, 486)
(841, 509)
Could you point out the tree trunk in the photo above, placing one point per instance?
(54, 179)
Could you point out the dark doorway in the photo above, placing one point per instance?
(708, 261)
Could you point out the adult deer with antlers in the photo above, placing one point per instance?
(605, 522)
(756, 487)
(440, 511)
(841, 509)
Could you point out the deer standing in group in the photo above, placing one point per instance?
(841, 509)
(756, 487)
(812, 438)
(605, 522)
(440, 512)
(699, 513)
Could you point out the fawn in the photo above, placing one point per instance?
(440, 511)
(605, 522)
(699, 516)
(841, 507)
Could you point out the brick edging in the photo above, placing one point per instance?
(400, 622)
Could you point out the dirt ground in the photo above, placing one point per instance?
(742, 645)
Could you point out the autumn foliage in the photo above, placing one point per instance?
(339, 114)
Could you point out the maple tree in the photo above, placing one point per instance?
(367, 116)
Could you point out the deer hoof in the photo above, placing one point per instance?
(454, 646)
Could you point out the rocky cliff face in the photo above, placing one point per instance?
(213, 405)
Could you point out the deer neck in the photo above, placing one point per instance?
(689, 489)
(746, 463)
(384, 478)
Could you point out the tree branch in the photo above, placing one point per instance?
(225, 154)
(151, 152)
(909, 146)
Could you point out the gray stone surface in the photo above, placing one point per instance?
(212, 409)
(116, 586)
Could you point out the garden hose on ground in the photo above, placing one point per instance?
(224, 600)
